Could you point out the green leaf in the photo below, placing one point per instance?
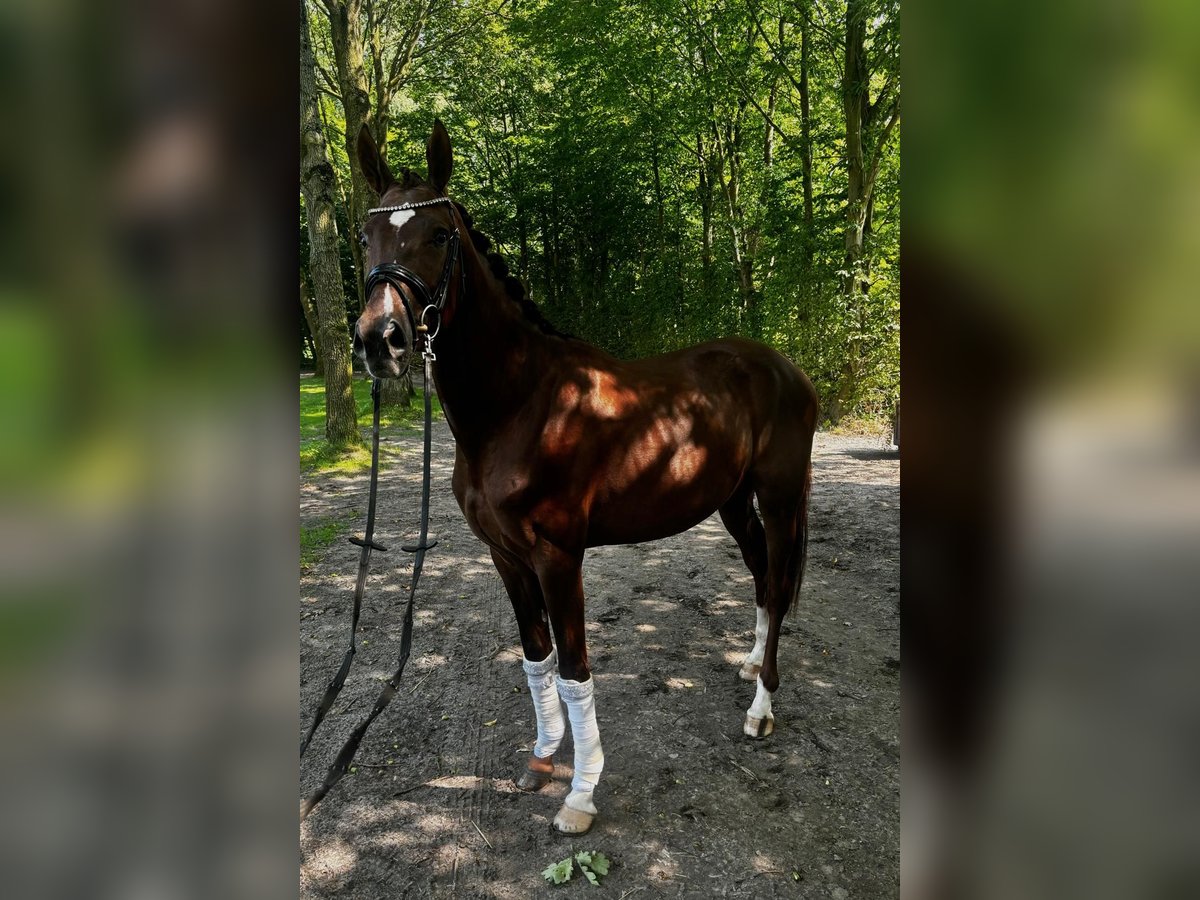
(559, 872)
(599, 863)
(594, 865)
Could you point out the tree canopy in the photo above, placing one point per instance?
(658, 172)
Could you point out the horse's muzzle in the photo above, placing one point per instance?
(384, 345)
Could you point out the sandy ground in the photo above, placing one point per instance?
(689, 807)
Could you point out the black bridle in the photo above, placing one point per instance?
(395, 275)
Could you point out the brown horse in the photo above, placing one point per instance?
(561, 447)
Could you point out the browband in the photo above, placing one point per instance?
(403, 206)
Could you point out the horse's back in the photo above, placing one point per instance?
(768, 384)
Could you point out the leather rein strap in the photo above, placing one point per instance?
(393, 273)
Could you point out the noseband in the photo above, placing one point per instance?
(395, 274)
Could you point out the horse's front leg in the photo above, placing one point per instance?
(540, 664)
(561, 576)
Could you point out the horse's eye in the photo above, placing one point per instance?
(362, 239)
(441, 237)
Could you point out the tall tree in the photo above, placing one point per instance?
(317, 186)
(866, 140)
(356, 29)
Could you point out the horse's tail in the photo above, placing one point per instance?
(802, 535)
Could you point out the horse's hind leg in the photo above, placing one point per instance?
(785, 518)
(541, 666)
(743, 523)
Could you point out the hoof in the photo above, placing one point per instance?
(749, 672)
(537, 773)
(758, 728)
(573, 821)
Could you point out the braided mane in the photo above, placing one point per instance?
(512, 285)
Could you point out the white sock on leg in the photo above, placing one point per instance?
(589, 756)
(550, 727)
(761, 707)
(755, 656)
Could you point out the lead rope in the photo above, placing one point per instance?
(341, 763)
(368, 544)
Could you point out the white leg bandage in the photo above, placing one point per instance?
(755, 656)
(761, 707)
(550, 728)
(589, 757)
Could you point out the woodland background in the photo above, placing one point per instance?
(658, 173)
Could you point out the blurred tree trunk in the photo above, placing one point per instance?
(317, 185)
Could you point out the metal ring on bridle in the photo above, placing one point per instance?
(430, 335)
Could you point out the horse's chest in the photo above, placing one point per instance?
(486, 499)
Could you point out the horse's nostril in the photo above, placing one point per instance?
(356, 343)
(394, 335)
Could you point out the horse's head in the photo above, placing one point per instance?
(419, 240)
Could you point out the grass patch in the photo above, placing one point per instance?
(863, 426)
(34, 626)
(316, 456)
(316, 538)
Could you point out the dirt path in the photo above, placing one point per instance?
(689, 807)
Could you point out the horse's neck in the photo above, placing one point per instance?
(488, 360)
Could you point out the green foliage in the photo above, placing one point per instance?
(315, 538)
(593, 864)
(317, 456)
(560, 871)
(641, 166)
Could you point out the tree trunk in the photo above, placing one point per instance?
(854, 86)
(706, 214)
(741, 240)
(346, 32)
(317, 185)
(855, 79)
(314, 328)
(766, 198)
(806, 142)
(656, 170)
(346, 35)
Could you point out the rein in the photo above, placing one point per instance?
(394, 274)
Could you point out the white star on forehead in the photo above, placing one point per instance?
(399, 217)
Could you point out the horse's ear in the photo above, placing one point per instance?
(438, 157)
(374, 168)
